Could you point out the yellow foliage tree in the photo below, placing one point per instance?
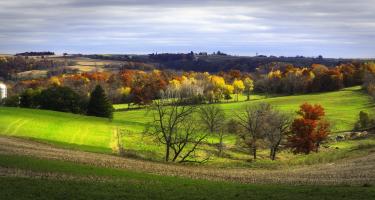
(125, 91)
(238, 86)
(175, 83)
(249, 86)
(218, 81)
(370, 67)
(274, 74)
(55, 81)
(228, 90)
(219, 86)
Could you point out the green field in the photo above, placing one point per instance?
(88, 182)
(95, 134)
(31, 170)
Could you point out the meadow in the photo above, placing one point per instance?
(54, 155)
(53, 179)
(96, 134)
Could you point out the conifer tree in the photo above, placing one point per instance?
(99, 105)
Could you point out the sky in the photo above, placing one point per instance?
(332, 28)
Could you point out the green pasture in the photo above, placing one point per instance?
(123, 184)
(95, 134)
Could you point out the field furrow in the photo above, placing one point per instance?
(353, 171)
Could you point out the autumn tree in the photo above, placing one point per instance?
(126, 95)
(228, 90)
(326, 79)
(249, 87)
(274, 81)
(369, 79)
(238, 86)
(127, 77)
(297, 80)
(146, 87)
(218, 86)
(190, 90)
(309, 129)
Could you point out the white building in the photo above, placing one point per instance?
(3, 91)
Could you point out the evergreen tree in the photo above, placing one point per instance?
(99, 105)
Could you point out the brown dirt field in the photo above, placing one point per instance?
(356, 171)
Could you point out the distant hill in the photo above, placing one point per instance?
(222, 62)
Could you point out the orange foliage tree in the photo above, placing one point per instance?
(309, 130)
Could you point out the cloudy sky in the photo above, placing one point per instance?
(332, 28)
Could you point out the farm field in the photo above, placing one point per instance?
(96, 134)
(36, 169)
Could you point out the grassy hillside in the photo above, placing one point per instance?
(51, 179)
(342, 107)
(95, 134)
(65, 180)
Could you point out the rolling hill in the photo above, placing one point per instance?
(95, 134)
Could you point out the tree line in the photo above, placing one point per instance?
(138, 88)
(10, 66)
(219, 61)
(36, 53)
(64, 99)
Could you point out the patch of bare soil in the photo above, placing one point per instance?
(355, 171)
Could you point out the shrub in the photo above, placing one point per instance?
(364, 121)
(29, 98)
(61, 99)
(11, 101)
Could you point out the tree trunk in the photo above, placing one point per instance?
(273, 153)
(167, 153)
(221, 146)
(254, 153)
(317, 147)
(254, 149)
(248, 97)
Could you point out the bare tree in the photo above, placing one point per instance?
(212, 117)
(252, 119)
(172, 126)
(275, 128)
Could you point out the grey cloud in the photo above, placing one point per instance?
(333, 27)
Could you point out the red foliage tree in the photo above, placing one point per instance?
(308, 130)
(127, 77)
(311, 112)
